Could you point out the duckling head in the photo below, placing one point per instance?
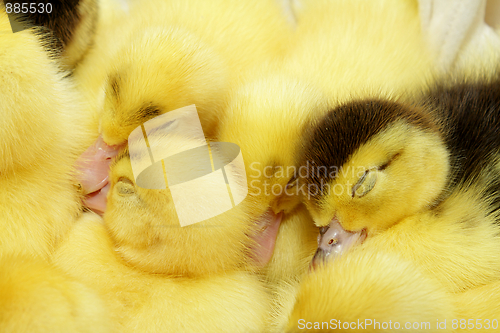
(161, 69)
(370, 164)
(144, 225)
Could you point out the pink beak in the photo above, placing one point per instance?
(265, 238)
(334, 241)
(93, 166)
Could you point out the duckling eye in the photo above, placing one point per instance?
(364, 184)
(125, 187)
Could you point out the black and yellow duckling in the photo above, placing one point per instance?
(417, 180)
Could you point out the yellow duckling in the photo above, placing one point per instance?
(169, 54)
(232, 301)
(43, 129)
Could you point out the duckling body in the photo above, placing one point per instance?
(233, 301)
(354, 49)
(39, 108)
(43, 128)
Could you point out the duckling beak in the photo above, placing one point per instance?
(333, 241)
(93, 173)
(264, 237)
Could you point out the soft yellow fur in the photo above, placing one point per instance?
(359, 48)
(39, 109)
(368, 285)
(42, 131)
(457, 244)
(481, 303)
(171, 54)
(140, 302)
(146, 231)
(460, 261)
(266, 118)
(38, 297)
(90, 71)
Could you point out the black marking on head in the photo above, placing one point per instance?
(57, 29)
(148, 112)
(143, 114)
(272, 168)
(346, 128)
(115, 87)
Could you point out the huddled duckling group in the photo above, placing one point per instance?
(373, 177)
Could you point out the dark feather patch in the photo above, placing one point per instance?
(148, 112)
(469, 114)
(57, 29)
(344, 129)
(63, 19)
(143, 114)
(115, 87)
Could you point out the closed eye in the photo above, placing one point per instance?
(125, 186)
(367, 181)
(365, 184)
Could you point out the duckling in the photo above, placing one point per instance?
(43, 129)
(233, 301)
(145, 228)
(170, 54)
(401, 179)
(410, 160)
